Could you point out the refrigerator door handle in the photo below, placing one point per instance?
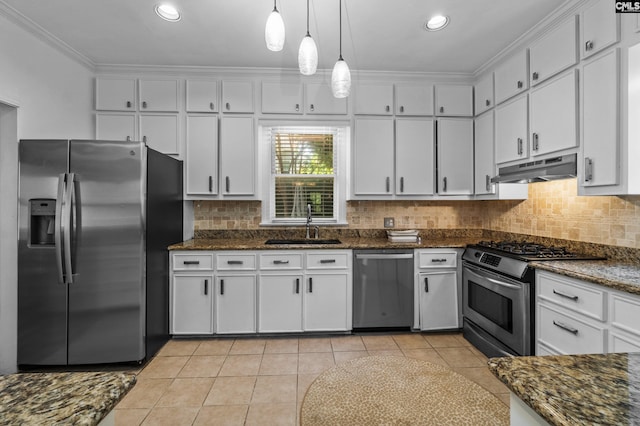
(68, 226)
(58, 228)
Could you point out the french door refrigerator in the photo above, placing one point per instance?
(95, 220)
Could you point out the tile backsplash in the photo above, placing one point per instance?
(553, 210)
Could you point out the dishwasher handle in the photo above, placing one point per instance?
(384, 256)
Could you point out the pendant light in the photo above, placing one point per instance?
(341, 76)
(308, 52)
(274, 30)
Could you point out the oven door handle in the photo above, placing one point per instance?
(492, 280)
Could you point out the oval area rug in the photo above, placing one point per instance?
(391, 390)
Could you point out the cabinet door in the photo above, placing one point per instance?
(192, 304)
(160, 132)
(455, 156)
(600, 112)
(280, 303)
(237, 96)
(554, 52)
(115, 94)
(237, 156)
(553, 114)
(235, 304)
(414, 100)
(320, 100)
(116, 127)
(511, 77)
(600, 27)
(454, 100)
(483, 99)
(415, 157)
(438, 300)
(484, 160)
(202, 96)
(281, 98)
(202, 155)
(373, 99)
(159, 95)
(326, 302)
(511, 131)
(373, 156)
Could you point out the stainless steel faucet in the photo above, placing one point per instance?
(308, 225)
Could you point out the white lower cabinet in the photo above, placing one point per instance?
(327, 302)
(280, 303)
(578, 317)
(191, 304)
(436, 289)
(235, 303)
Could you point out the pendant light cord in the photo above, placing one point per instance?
(308, 35)
(340, 58)
(275, 8)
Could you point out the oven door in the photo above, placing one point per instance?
(498, 305)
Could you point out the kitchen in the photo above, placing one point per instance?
(37, 77)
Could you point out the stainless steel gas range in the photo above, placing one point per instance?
(499, 294)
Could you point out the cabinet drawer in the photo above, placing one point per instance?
(280, 261)
(578, 298)
(625, 313)
(192, 261)
(568, 334)
(235, 262)
(332, 260)
(437, 260)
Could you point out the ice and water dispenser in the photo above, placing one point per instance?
(42, 214)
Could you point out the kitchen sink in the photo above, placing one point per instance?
(303, 241)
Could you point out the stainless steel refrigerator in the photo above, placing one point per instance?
(95, 220)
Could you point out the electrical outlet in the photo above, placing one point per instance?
(389, 222)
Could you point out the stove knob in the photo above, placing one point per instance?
(477, 254)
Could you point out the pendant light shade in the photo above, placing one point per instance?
(341, 76)
(308, 52)
(274, 30)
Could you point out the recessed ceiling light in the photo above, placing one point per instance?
(436, 23)
(167, 12)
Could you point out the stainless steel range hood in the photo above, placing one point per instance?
(562, 167)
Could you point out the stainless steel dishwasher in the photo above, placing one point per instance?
(383, 289)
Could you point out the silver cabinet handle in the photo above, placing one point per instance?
(297, 285)
(487, 102)
(387, 108)
(191, 262)
(280, 262)
(388, 184)
(128, 104)
(297, 107)
(221, 287)
(310, 285)
(519, 84)
(211, 106)
(227, 106)
(210, 183)
(565, 327)
(444, 184)
(402, 184)
(144, 104)
(206, 287)
(536, 143)
(534, 76)
(520, 147)
(312, 108)
(438, 260)
(144, 139)
(401, 108)
(588, 169)
(488, 182)
(566, 296)
(327, 261)
(426, 284)
(588, 45)
(235, 262)
(441, 109)
(227, 183)
(128, 138)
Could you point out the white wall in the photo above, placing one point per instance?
(54, 98)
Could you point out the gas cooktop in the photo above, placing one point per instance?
(527, 251)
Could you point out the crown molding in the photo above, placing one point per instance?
(40, 33)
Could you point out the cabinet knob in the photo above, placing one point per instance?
(312, 107)
(487, 102)
(441, 109)
(128, 104)
(588, 45)
(144, 104)
(128, 138)
(227, 106)
(144, 139)
(520, 84)
(444, 184)
(387, 108)
(534, 76)
(401, 108)
(211, 106)
(297, 107)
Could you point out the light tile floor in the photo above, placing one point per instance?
(262, 381)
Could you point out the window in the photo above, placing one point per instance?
(306, 167)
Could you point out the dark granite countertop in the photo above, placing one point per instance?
(72, 398)
(575, 389)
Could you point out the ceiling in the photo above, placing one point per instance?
(377, 35)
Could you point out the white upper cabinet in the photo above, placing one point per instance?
(281, 98)
(484, 160)
(511, 77)
(600, 27)
(320, 100)
(455, 156)
(600, 123)
(237, 156)
(201, 165)
(116, 127)
(414, 99)
(415, 155)
(554, 52)
(202, 96)
(554, 115)
(161, 132)
(373, 155)
(158, 95)
(484, 94)
(511, 130)
(373, 99)
(237, 96)
(454, 100)
(116, 94)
